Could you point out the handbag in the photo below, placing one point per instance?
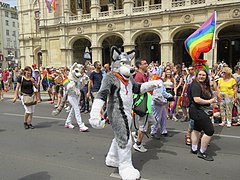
(29, 100)
(207, 110)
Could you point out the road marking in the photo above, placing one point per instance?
(38, 117)
(116, 175)
(218, 135)
(61, 119)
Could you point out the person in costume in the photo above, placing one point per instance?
(117, 90)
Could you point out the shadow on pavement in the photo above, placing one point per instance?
(37, 176)
(46, 124)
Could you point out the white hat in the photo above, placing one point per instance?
(36, 70)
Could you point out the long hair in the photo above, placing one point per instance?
(27, 68)
(165, 77)
(205, 86)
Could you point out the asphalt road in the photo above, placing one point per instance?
(52, 152)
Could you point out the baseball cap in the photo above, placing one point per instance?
(34, 65)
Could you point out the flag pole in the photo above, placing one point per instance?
(214, 39)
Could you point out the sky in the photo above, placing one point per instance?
(11, 2)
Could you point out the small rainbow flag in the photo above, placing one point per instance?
(51, 5)
(202, 40)
(65, 82)
(174, 107)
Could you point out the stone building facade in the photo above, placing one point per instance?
(155, 28)
(9, 46)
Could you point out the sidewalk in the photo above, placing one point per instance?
(10, 95)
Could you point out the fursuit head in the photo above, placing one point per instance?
(121, 62)
(71, 84)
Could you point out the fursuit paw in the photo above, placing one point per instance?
(110, 162)
(129, 173)
(97, 123)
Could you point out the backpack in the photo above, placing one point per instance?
(142, 104)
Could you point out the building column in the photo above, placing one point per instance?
(146, 5)
(166, 52)
(166, 5)
(96, 54)
(44, 58)
(110, 9)
(127, 6)
(95, 9)
(129, 47)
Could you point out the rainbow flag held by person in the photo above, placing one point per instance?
(65, 82)
(177, 102)
(202, 41)
(51, 5)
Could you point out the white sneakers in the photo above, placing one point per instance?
(139, 148)
(82, 128)
(69, 125)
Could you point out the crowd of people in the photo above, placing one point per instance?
(188, 93)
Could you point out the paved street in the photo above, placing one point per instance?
(51, 152)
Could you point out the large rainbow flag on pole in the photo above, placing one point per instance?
(51, 5)
(202, 41)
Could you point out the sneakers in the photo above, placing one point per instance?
(134, 136)
(31, 126)
(139, 148)
(174, 118)
(205, 156)
(69, 125)
(222, 124)
(26, 126)
(194, 152)
(83, 128)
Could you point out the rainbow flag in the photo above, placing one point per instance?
(174, 107)
(51, 5)
(202, 40)
(65, 82)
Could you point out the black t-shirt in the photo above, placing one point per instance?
(26, 85)
(97, 80)
(195, 90)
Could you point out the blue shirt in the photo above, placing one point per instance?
(96, 79)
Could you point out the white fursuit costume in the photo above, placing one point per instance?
(117, 90)
(74, 83)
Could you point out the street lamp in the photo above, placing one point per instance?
(10, 58)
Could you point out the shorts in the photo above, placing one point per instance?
(5, 82)
(202, 122)
(143, 124)
(59, 89)
(28, 109)
(171, 91)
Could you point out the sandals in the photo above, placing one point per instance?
(236, 124)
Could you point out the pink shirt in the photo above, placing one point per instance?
(5, 76)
